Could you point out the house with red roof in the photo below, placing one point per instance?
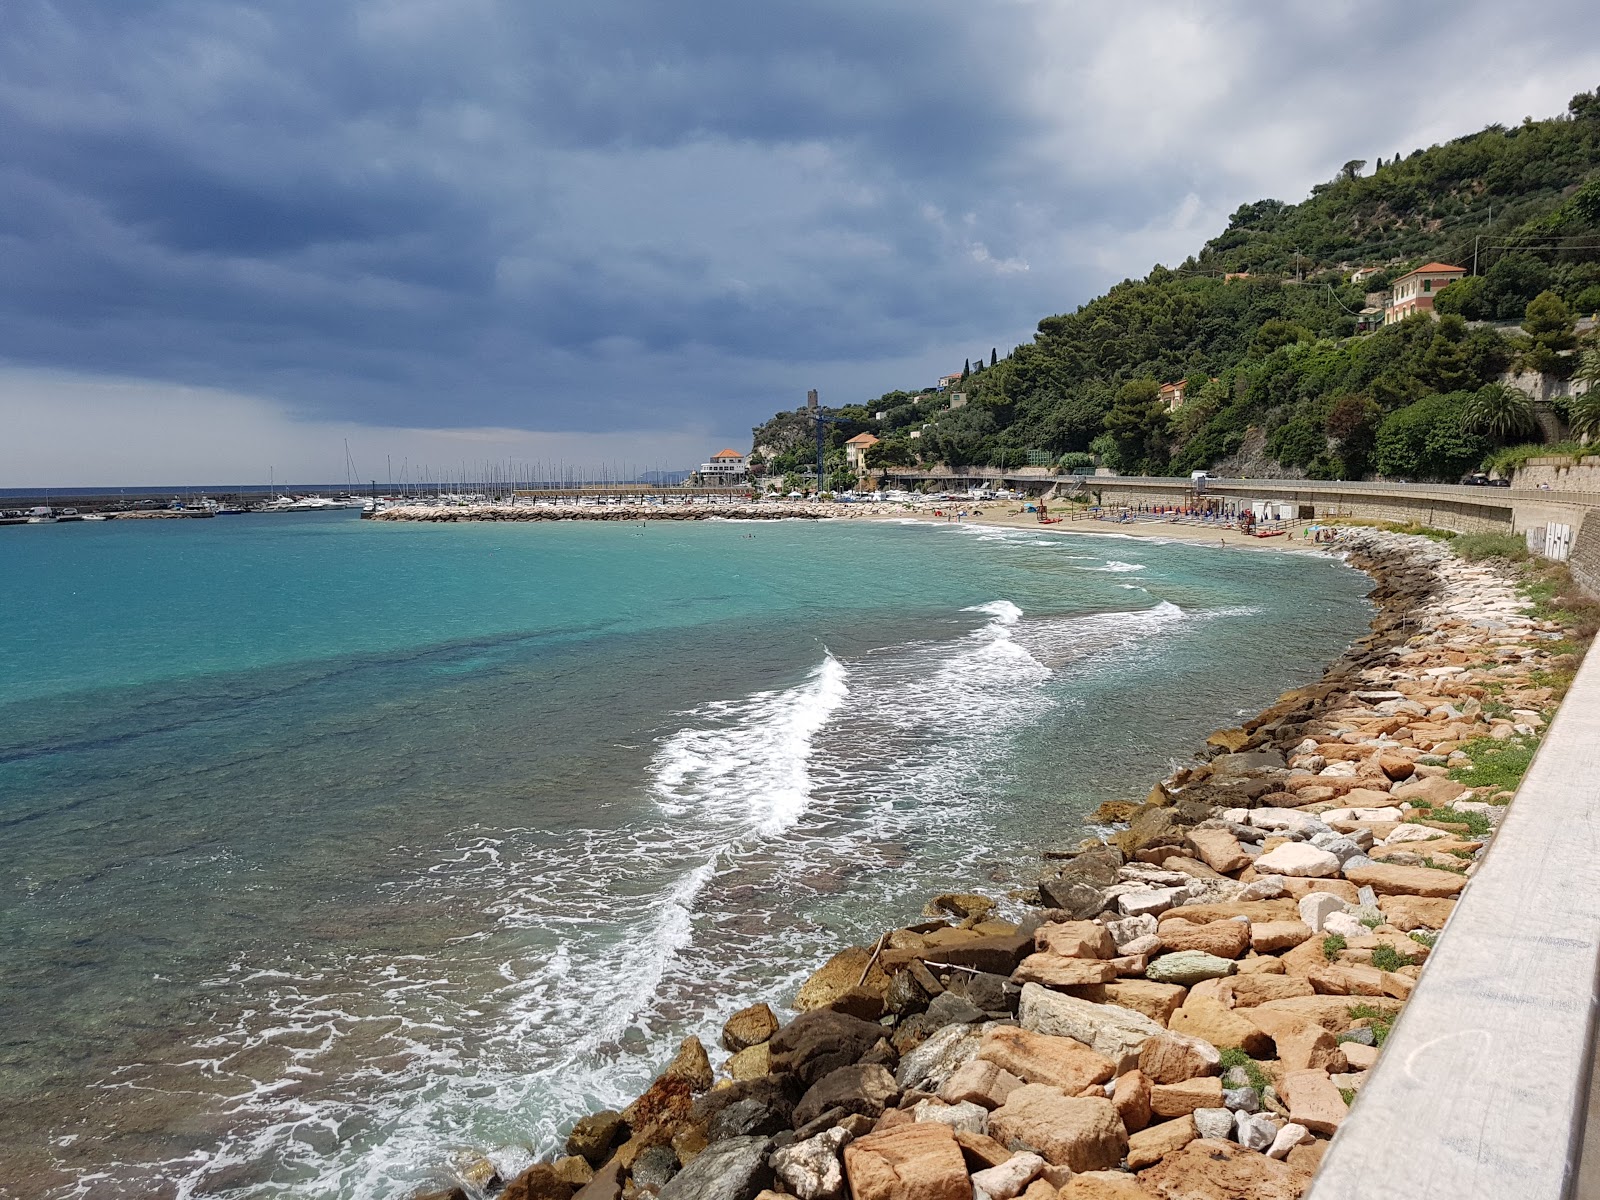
(1414, 291)
(855, 450)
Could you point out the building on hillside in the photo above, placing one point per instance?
(855, 451)
(946, 380)
(1369, 318)
(1360, 274)
(1172, 395)
(1414, 291)
(725, 466)
(958, 400)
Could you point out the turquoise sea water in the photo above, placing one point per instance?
(340, 852)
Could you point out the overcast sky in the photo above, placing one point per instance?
(234, 235)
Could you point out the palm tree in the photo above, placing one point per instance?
(1501, 413)
(1585, 413)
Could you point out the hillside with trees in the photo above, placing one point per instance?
(1265, 329)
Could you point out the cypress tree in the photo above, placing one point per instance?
(994, 355)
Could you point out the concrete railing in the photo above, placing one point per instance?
(1483, 1088)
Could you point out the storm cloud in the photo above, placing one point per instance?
(622, 216)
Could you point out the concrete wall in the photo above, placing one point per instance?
(1561, 474)
(1584, 562)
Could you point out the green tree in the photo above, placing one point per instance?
(1274, 334)
(1584, 411)
(1429, 440)
(1137, 421)
(1444, 365)
(1501, 413)
(1466, 298)
(1549, 322)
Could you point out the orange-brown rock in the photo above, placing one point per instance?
(1343, 979)
(1150, 1146)
(1271, 937)
(1158, 1001)
(1222, 1027)
(1219, 850)
(1208, 1169)
(1313, 1100)
(1131, 1099)
(1102, 1185)
(749, 1027)
(839, 975)
(1301, 1043)
(919, 1161)
(1416, 912)
(1075, 939)
(1261, 965)
(980, 1150)
(1255, 910)
(1299, 889)
(1225, 939)
(1174, 1057)
(1060, 971)
(1060, 1062)
(1247, 991)
(1331, 1012)
(1179, 1099)
(1082, 1133)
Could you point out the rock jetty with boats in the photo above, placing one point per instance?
(1184, 1007)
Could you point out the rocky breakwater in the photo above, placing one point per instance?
(777, 510)
(1186, 1008)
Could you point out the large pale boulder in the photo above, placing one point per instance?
(928, 1066)
(812, 1169)
(1080, 1132)
(1331, 1012)
(921, 1161)
(1301, 1042)
(1007, 1180)
(1109, 1029)
(1062, 1062)
(1298, 859)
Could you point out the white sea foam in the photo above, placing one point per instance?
(750, 755)
(596, 951)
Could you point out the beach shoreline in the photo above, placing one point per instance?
(885, 1057)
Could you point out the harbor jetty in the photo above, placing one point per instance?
(646, 510)
(1186, 1004)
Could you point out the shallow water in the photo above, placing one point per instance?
(338, 852)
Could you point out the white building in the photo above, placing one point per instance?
(725, 465)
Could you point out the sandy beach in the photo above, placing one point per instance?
(1007, 515)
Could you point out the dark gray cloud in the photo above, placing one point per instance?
(616, 214)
